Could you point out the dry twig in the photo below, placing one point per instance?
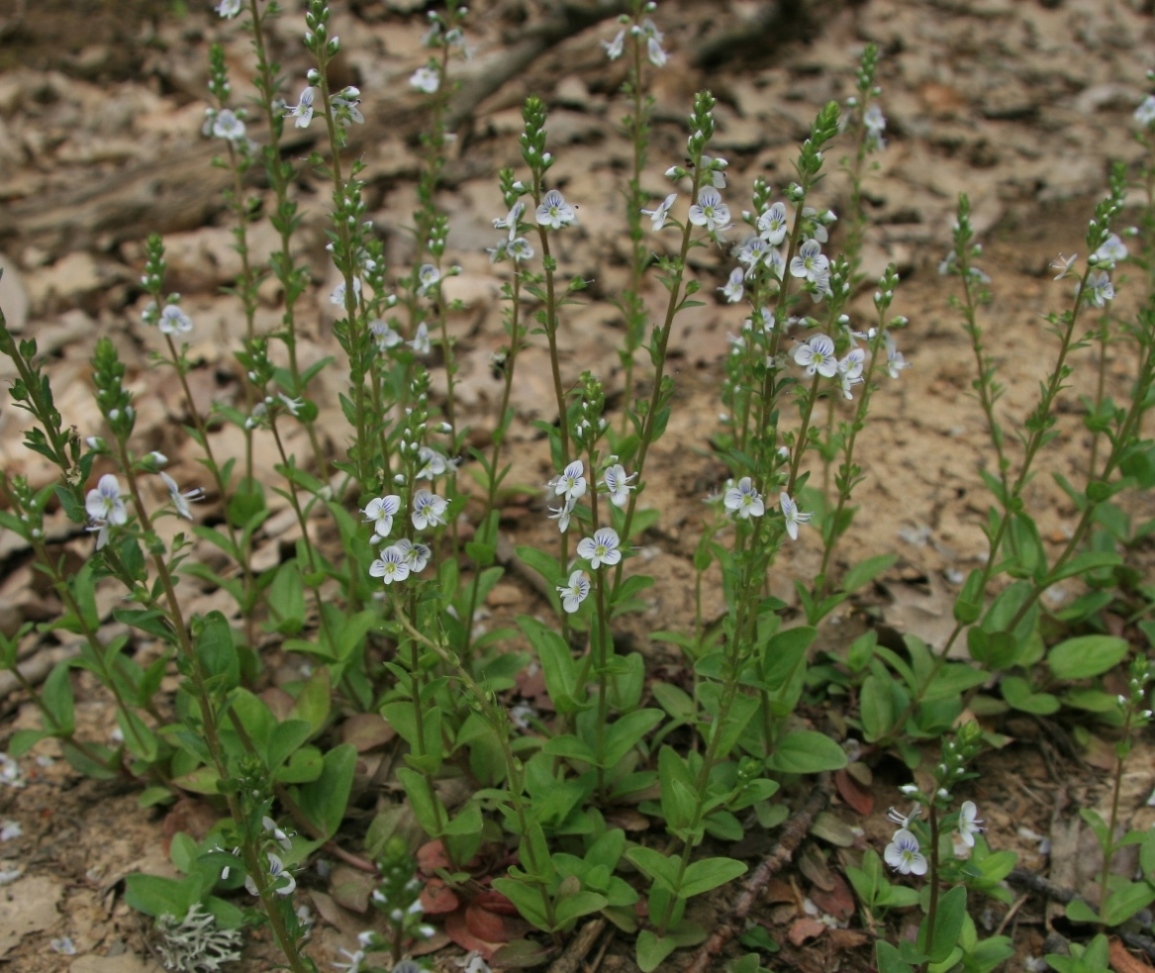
(795, 830)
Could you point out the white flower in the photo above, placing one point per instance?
(63, 945)
(302, 111)
(744, 499)
(105, 506)
(904, 820)
(653, 36)
(283, 881)
(618, 484)
(390, 566)
(435, 464)
(228, 126)
(554, 211)
(180, 500)
(520, 249)
(421, 343)
(1063, 265)
(174, 321)
(562, 514)
(415, 555)
(792, 515)
(427, 276)
(229, 8)
(851, 365)
(654, 52)
(1113, 249)
(1145, 113)
(772, 224)
(355, 961)
(428, 509)
(713, 168)
(659, 216)
(511, 219)
(572, 482)
(343, 106)
(1100, 290)
(384, 335)
(816, 354)
(733, 290)
(614, 48)
(292, 406)
(709, 211)
(895, 363)
(600, 549)
(337, 298)
(969, 823)
(874, 121)
(425, 79)
(574, 591)
(10, 830)
(903, 855)
(809, 262)
(380, 512)
(279, 836)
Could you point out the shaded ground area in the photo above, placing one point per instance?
(1022, 105)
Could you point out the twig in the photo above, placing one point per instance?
(579, 946)
(796, 829)
(1055, 893)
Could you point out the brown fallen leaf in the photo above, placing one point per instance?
(805, 928)
(836, 901)
(1123, 961)
(857, 797)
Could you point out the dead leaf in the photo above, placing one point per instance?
(457, 926)
(367, 731)
(437, 898)
(805, 928)
(351, 887)
(835, 901)
(431, 856)
(857, 797)
(1123, 961)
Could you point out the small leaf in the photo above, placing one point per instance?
(1086, 656)
(807, 752)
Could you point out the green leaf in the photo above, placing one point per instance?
(709, 873)
(806, 752)
(57, 702)
(1124, 901)
(625, 733)
(528, 900)
(570, 747)
(952, 912)
(866, 571)
(652, 950)
(313, 701)
(876, 708)
(1079, 911)
(890, 960)
(557, 663)
(1085, 563)
(157, 896)
(286, 601)
(1020, 694)
(661, 869)
(216, 652)
(324, 800)
(1086, 656)
(284, 740)
(571, 907)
